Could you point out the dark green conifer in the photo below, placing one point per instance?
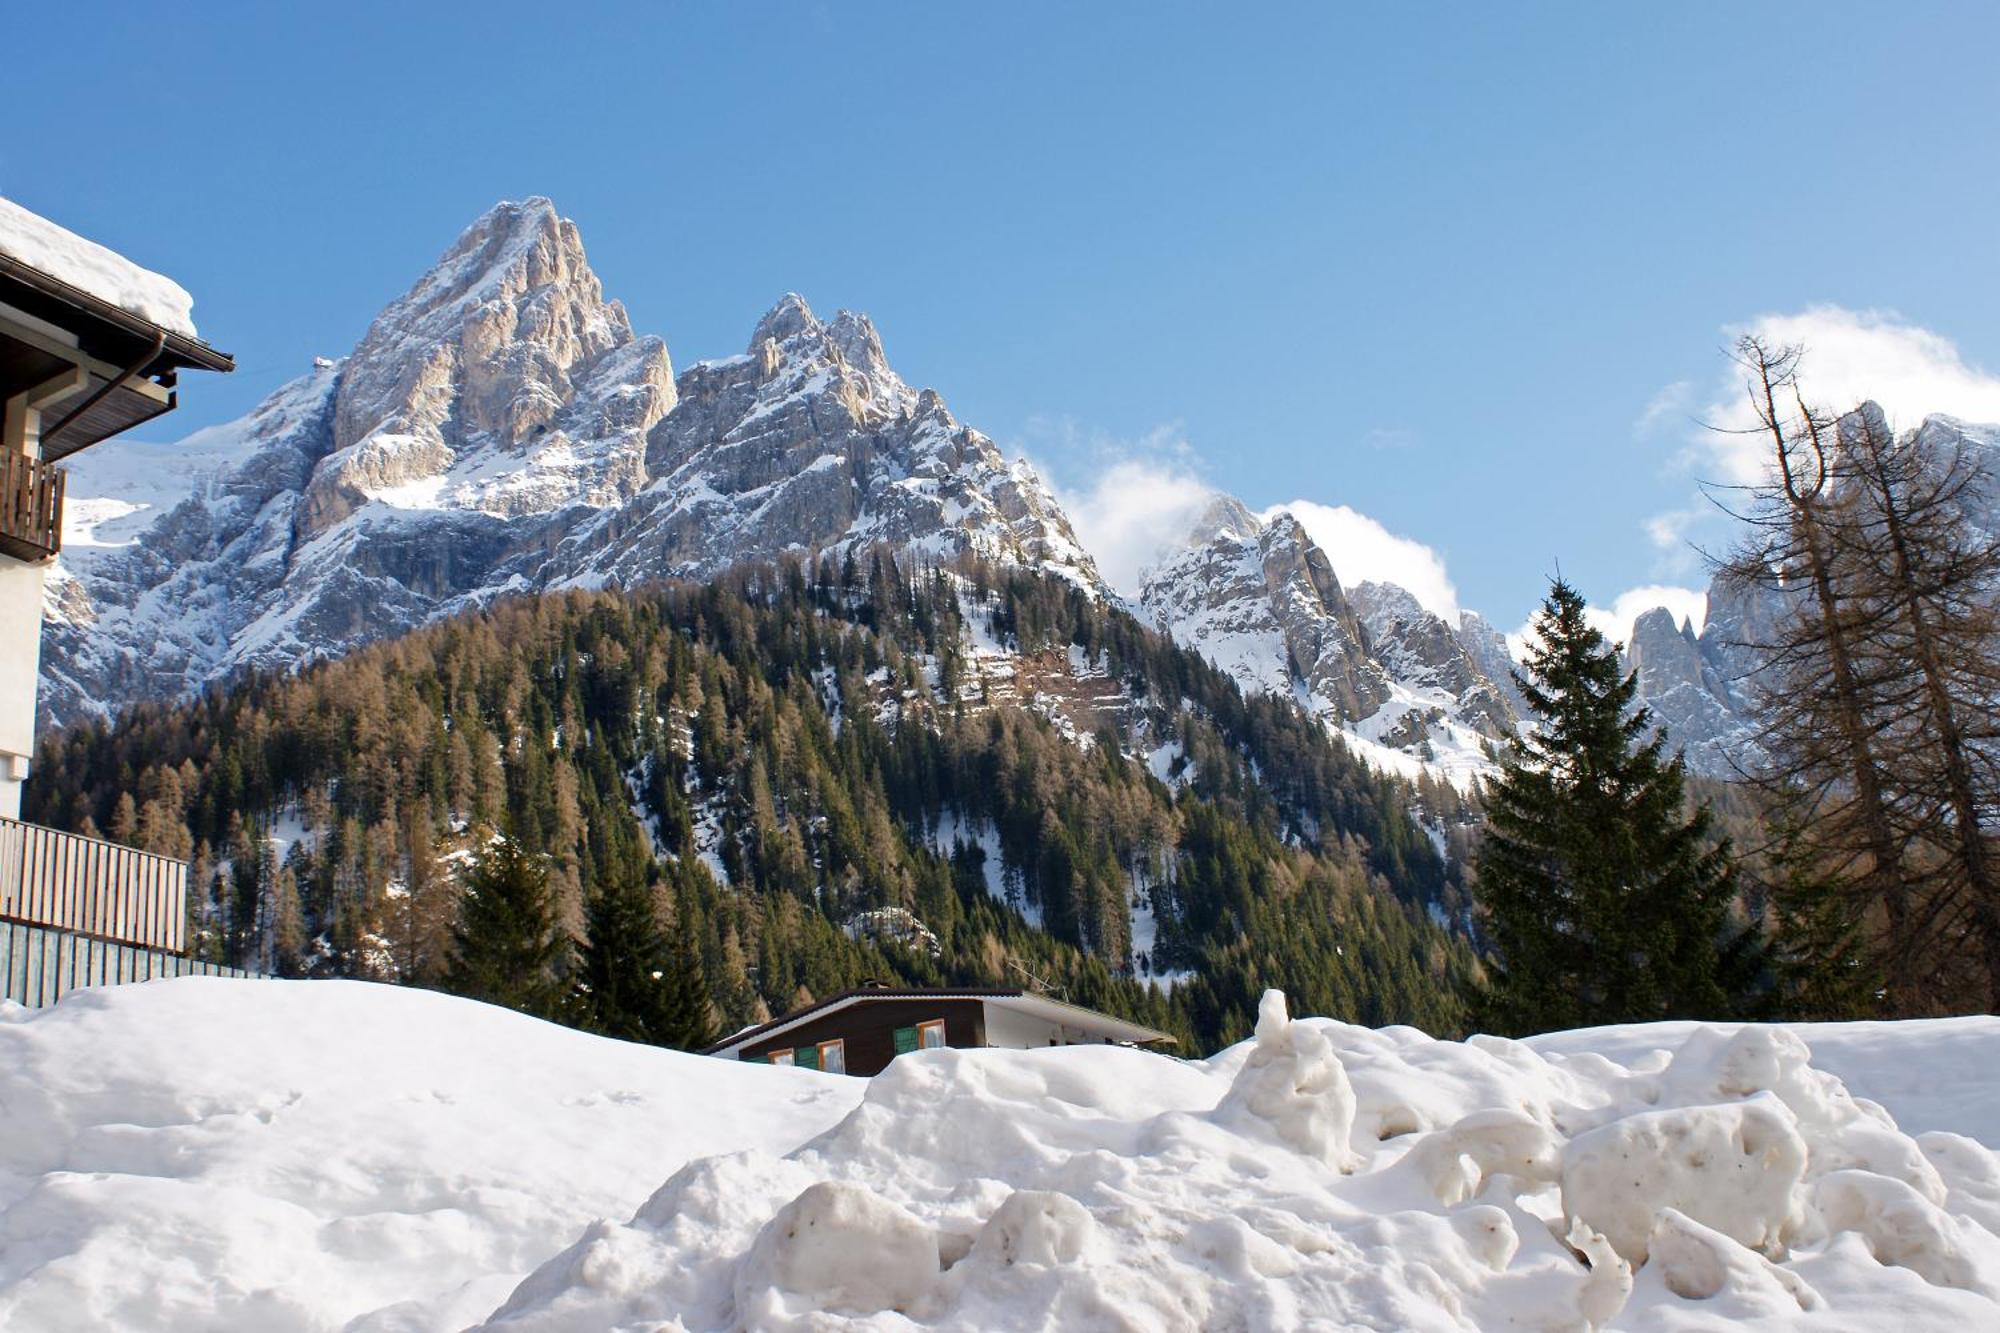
(507, 947)
(1606, 899)
(633, 983)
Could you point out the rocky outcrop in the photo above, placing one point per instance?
(1260, 599)
(502, 428)
(1686, 692)
(808, 442)
(1417, 648)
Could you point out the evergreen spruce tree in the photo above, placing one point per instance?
(1606, 900)
(632, 983)
(507, 948)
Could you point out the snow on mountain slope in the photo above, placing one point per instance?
(243, 1155)
(501, 428)
(280, 1155)
(1259, 598)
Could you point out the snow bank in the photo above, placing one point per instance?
(269, 1155)
(109, 276)
(1328, 1176)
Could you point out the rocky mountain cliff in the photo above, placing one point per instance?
(1701, 685)
(1259, 598)
(502, 428)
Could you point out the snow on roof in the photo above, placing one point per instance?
(33, 240)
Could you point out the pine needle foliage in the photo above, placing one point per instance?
(1605, 898)
(632, 983)
(508, 948)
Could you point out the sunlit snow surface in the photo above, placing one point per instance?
(318, 1155)
(109, 276)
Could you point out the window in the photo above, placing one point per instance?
(930, 1036)
(780, 1057)
(833, 1057)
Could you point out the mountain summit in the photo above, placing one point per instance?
(501, 428)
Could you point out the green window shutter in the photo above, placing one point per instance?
(806, 1057)
(906, 1040)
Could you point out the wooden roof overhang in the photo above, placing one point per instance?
(1041, 1006)
(122, 367)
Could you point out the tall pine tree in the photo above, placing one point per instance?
(632, 983)
(1606, 900)
(508, 948)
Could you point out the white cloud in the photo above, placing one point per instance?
(1142, 499)
(1849, 356)
(1674, 402)
(1363, 551)
(1615, 621)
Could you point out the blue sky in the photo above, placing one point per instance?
(1465, 269)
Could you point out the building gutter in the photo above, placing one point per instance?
(192, 351)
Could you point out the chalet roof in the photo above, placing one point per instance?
(111, 334)
(1029, 1002)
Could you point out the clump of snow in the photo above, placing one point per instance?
(266, 1155)
(841, 1248)
(1735, 1168)
(1328, 1176)
(1292, 1087)
(39, 243)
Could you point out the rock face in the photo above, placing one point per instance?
(1687, 693)
(501, 428)
(1703, 685)
(1260, 599)
(810, 441)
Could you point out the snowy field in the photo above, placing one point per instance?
(245, 1155)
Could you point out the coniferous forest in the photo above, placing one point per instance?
(812, 778)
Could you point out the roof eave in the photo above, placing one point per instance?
(192, 352)
(776, 1026)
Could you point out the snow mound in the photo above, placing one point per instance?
(1328, 1176)
(245, 1155)
(271, 1155)
(109, 276)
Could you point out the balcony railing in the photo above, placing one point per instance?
(92, 887)
(31, 500)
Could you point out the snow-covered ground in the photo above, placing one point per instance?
(317, 1155)
(276, 1156)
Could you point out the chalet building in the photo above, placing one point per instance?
(861, 1031)
(90, 345)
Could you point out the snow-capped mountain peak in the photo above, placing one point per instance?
(501, 427)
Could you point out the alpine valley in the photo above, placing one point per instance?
(782, 635)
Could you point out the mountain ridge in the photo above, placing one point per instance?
(502, 427)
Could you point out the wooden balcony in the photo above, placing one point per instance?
(31, 499)
(91, 887)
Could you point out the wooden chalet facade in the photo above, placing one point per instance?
(82, 358)
(861, 1031)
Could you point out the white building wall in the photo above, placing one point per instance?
(20, 669)
(1009, 1029)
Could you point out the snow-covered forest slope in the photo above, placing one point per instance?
(823, 774)
(247, 1155)
(502, 427)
